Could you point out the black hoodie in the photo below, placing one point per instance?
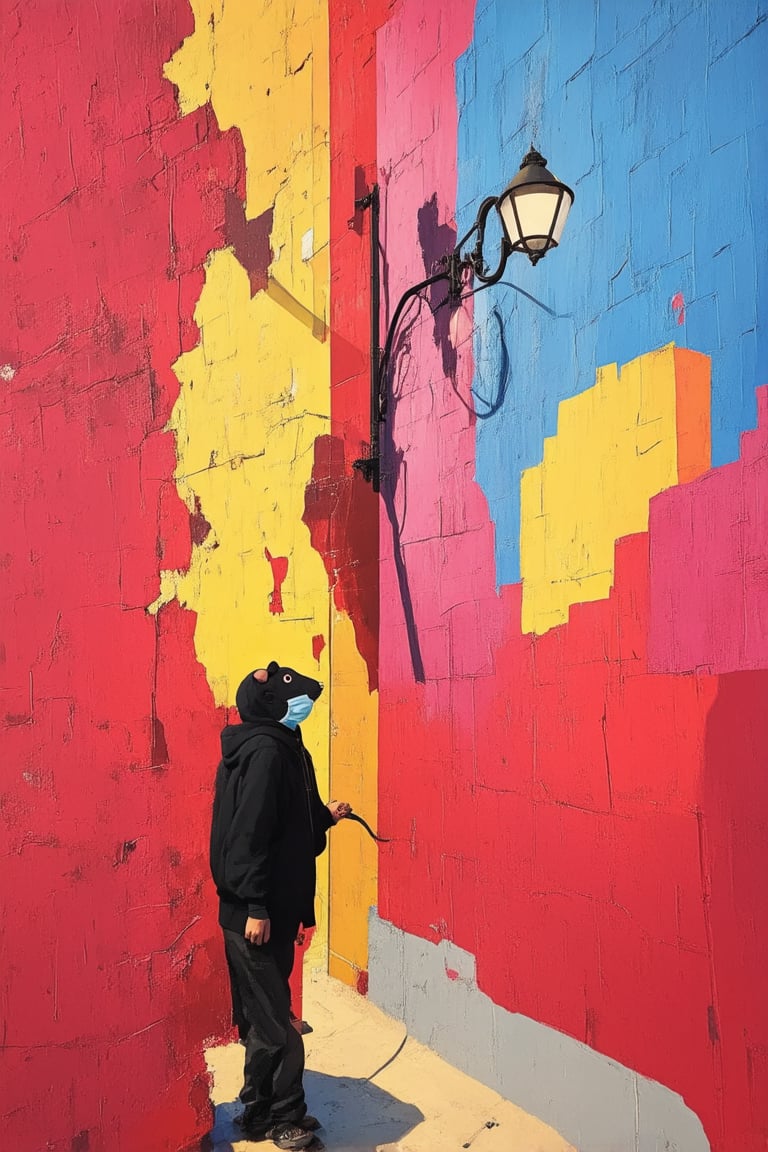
(268, 825)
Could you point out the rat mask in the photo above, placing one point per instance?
(277, 693)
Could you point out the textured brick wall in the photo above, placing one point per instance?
(111, 204)
(164, 367)
(572, 736)
(571, 545)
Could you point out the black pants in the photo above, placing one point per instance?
(274, 1050)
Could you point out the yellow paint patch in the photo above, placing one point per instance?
(354, 755)
(620, 442)
(263, 65)
(245, 424)
(250, 406)
(255, 392)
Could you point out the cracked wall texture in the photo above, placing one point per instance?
(585, 808)
(552, 624)
(254, 392)
(112, 978)
(165, 372)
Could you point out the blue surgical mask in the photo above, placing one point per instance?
(298, 710)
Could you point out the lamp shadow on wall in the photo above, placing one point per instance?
(393, 471)
(358, 1115)
(394, 478)
(435, 240)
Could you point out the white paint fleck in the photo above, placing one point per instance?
(7, 372)
(308, 245)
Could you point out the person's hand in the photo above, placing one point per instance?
(257, 931)
(339, 809)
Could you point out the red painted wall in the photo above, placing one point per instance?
(602, 895)
(341, 509)
(109, 952)
(585, 812)
(561, 839)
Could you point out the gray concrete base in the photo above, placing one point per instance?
(376, 1090)
(597, 1104)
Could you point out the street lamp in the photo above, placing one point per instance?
(532, 211)
(534, 208)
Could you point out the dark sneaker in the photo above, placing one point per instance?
(290, 1137)
(308, 1123)
(286, 1136)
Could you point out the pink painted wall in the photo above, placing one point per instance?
(709, 594)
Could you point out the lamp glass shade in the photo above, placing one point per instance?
(534, 209)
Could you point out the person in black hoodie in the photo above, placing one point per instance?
(268, 826)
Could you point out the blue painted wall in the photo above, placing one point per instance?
(656, 114)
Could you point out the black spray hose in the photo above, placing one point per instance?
(369, 830)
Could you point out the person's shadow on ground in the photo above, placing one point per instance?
(357, 1115)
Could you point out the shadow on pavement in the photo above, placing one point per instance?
(357, 1116)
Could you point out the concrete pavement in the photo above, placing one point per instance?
(376, 1090)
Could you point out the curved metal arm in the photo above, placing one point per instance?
(477, 256)
(453, 267)
(369, 465)
(475, 260)
(392, 332)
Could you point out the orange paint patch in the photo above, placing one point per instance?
(693, 404)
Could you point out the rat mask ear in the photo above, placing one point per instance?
(261, 675)
(272, 667)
